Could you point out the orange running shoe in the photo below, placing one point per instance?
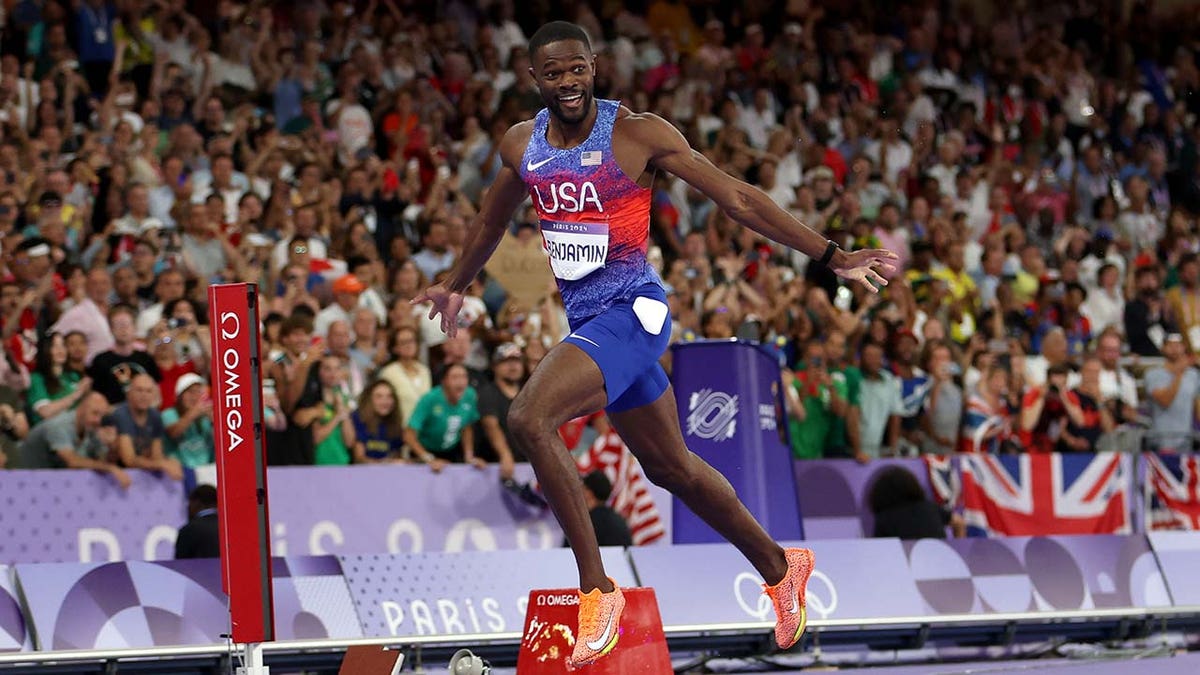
(599, 625)
(791, 615)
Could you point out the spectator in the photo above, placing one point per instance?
(346, 291)
(206, 250)
(409, 377)
(53, 387)
(1054, 353)
(89, 316)
(200, 537)
(881, 405)
(941, 418)
(77, 349)
(843, 438)
(987, 422)
(914, 384)
(140, 430)
(440, 430)
(1147, 320)
(293, 443)
(188, 423)
(495, 398)
(611, 529)
(815, 401)
(1116, 383)
(367, 350)
(14, 425)
(454, 351)
(902, 510)
(1044, 411)
(326, 411)
(1088, 415)
(112, 371)
(378, 427)
(434, 256)
(169, 286)
(75, 439)
(1183, 301)
(1174, 391)
(164, 347)
(1105, 305)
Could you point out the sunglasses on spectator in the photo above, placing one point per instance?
(300, 249)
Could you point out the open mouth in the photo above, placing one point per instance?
(571, 101)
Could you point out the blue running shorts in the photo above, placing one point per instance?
(626, 341)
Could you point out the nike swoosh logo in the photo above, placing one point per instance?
(530, 166)
(599, 643)
(795, 603)
(580, 337)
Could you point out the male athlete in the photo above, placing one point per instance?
(587, 165)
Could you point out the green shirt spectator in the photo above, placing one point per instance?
(53, 388)
(812, 435)
(440, 427)
(850, 378)
(39, 393)
(188, 423)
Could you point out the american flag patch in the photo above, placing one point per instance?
(590, 158)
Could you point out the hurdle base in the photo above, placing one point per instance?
(551, 628)
(252, 656)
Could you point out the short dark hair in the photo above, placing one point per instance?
(204, 496)
(122, 308)
(557, 31)
(598, 482)
(894, 486)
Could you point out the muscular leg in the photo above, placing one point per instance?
(566, 385)
(652, 434)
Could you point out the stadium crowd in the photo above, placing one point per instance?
(1035, 168)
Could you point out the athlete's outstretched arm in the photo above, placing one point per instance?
(487, 229)
(750, 206)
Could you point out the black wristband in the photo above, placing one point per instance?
(829, 249)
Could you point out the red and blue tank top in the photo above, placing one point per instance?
(595, 220)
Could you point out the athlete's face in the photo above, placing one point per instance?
(564, 72)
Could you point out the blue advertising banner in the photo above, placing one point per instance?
(458, 593)
(729, 405)
(13, 635)
(144, 604)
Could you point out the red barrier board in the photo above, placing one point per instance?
(550, 627)
(241, 460)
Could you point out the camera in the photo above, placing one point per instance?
(175, 324)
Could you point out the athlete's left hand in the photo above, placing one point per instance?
(865, 266)
(445, 302)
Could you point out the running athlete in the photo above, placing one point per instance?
(587, 165)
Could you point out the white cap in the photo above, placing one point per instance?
(187, 381)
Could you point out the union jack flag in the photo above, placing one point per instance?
(1043, 494)
(944, 480)
(1172, 489)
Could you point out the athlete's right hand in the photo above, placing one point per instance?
(445, 302)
